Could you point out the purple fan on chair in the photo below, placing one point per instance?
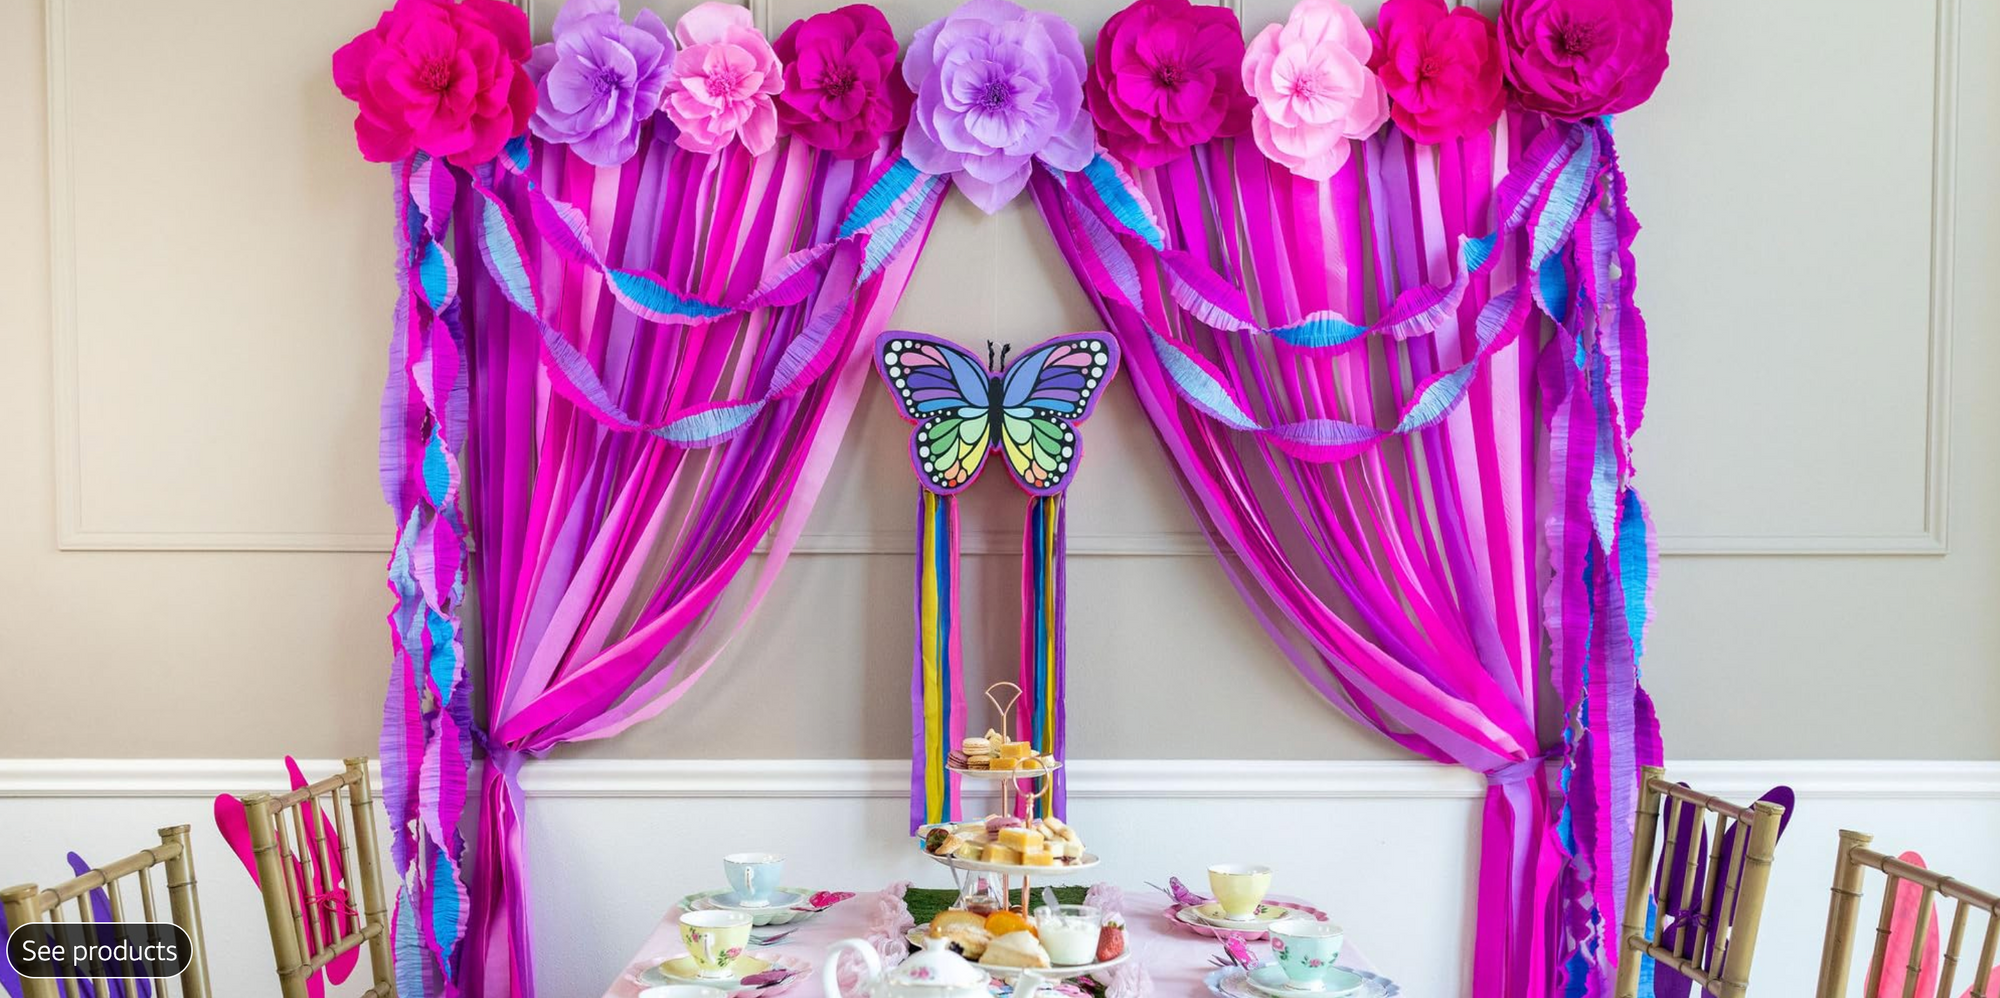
(1677, 930)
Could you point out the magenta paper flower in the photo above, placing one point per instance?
(1313, 89)
(1576, 59)
(1166, 78)
(1441, 69)
(842, 92)
(997, 88)
(600, 80)
(445, 78)
(723, 81)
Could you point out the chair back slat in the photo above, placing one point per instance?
(1850, 865)
(1713, 917)
(171, 859)
(304, 840)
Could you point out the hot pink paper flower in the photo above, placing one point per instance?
(842, 92)
(723, 81)
(1576, 59)
(1313, 89)
(1441, 68)
(1166, 79)
(442, 77)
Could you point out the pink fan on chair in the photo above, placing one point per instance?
(1902, 924)
(329, 915)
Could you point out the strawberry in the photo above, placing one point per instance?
(1111, 938)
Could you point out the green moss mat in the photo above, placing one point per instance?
(925, 902)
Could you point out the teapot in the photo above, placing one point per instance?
(936, 971)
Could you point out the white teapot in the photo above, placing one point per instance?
(934, 972)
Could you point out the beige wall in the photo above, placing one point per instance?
(188, 515)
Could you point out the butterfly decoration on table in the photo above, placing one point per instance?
(1027, 410)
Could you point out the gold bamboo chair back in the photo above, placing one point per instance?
(311, 924)
(1719, 910)
(1854, 860)
(171, 860)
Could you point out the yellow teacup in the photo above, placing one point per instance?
(715, 939)
(1239, 888)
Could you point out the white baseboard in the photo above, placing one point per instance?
(1389, 847)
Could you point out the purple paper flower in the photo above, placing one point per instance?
(1166, 78)
(841, 92)
(600, 80)
(997, 88)
(1576, 59)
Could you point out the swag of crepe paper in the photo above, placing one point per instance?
(1678, 926)
(888, 214)
(1902, 926)
(321, 892)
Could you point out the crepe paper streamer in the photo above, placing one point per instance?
(426, 734)
(893, 209)
(1043, 641)
(1902, 927)
(937, 697)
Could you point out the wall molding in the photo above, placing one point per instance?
(1129, 779)
(1932, 539)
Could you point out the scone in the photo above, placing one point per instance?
(946, 919)
(1015, 949)
(971, 941)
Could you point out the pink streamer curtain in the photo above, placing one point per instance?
(605, 558)
(1373, 490)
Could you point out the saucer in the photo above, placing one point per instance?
(1233, 982)
(682, 970)
(1265, 914)
(1270, 979)
(760, 917)
(1186, 917)
(731, 901)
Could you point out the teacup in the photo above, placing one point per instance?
(753, 875)
(1306, 949)
(715, 939)
(1239, 888)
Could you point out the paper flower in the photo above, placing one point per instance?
(441, 77)
(600, 80)
(842, 92)
(723, 80)
(1441, 69)
(1105, 897)
(997, 88)
(1576, 59)
(1166, 78)
(1313, 89)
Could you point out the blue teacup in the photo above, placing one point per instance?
(753, 875)
(1306, 949)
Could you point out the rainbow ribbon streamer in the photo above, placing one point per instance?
(1043, 583)
(937, 697)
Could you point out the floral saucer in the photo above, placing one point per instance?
(1234, 982)
(770, 914)
(1195, 918)
(1270, 980)
(760, 974)
(731, 901)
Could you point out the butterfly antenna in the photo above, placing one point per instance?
(1005, 349)
(989, 356)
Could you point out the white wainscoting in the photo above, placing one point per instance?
(1387, 847)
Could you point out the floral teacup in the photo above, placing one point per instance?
(1306, 949)
(715, 939)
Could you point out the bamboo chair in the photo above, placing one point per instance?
(1722, 912)
(1854, 858)
(28, 903)
(283, 835)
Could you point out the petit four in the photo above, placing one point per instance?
(1015, 949)
(1003, 854)
(1009, 840)
(1020, 837)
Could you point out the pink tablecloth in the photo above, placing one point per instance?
(1176, 958)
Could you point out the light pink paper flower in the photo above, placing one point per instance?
(1313, 89)
(723, 81)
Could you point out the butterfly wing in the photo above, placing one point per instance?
(1045, 393)
(945, 391)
